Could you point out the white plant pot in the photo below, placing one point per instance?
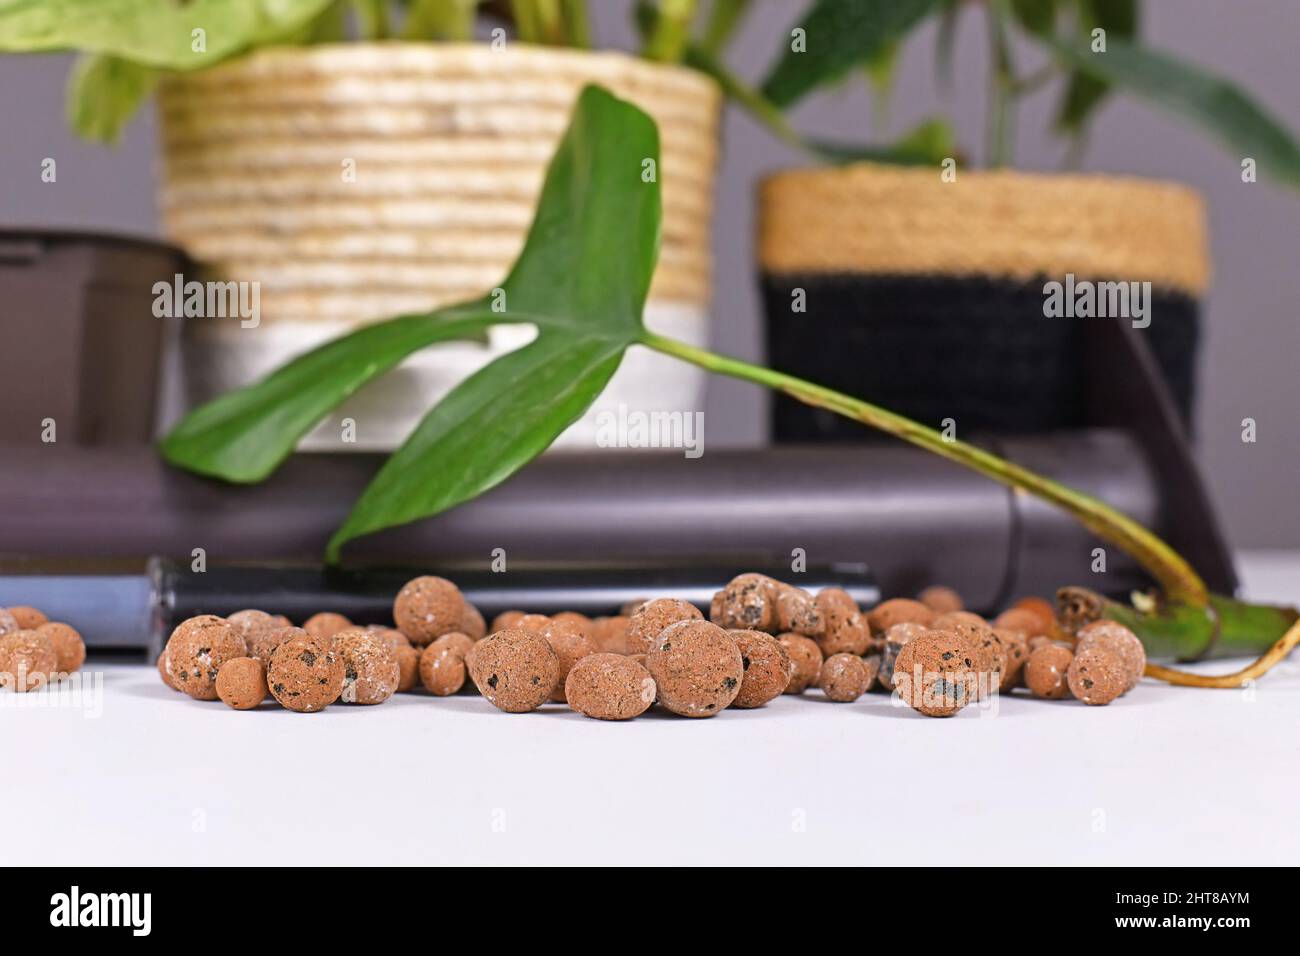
(361, 181)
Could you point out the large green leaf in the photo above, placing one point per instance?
(1085, 91)
(1216, 104)
(103, 94)
(158, 33)
(840, 35)
(581, 279)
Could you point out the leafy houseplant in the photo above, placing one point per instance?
(584, 297)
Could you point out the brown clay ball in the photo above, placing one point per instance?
(391, 636)
(610, 633)
(569, 639)
(966, 619)
(1015, 650)
(609, 687)
(844, 626)
(797, 611)
(408, 667)
(325, 625)
(442, 664)
(505, 620)
(27, 618)
(936, 673)
(1097, 675)
(649, 620)
(69, 648)
(27, 659)
(250, 620)
(370, 669)
(767, 668)
(263, 641)
(1020, 619)
(1042, 609)
(897, 611)
(532, 622)
(940, 599)
(427, 608)
(1046, 670)
(165, 671)
(305, 675)
(844, 678)
(241, 683)
(696, 667)
(872, 664)
(748, 602)
(1121, 642)
(472, 623)
(805, 662)
(515, 669)
(197, 649)
(894, 639)
(573, 617)
(8, 622)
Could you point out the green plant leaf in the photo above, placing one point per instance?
(1214, 103)
(1037, 16)
(104, 92)
(1085, 91)
(244, 435)
(582, 279)
(158, 33)
(840, 34)
(928, 143)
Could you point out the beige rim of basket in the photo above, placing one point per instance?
(449, 143)
(908, 221)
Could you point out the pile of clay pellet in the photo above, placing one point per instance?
(35, 651)
(763, 638)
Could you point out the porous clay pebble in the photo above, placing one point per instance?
(305, 674)
(408, 668)
(370, 669)
(472, 624)
(610, 633)
(940, 599)
(609, 687)
(797, 611)
(1097, 675)
(427, 608)
(747, 603)
(767, 668)
(569, 639)
(325, 625)
(27, 618)
(805, 661)
(1121, 642)
(27, 659)
(1020, 619)
(8, 622)
(515, 669)
(897, 611)
(504, 620)
(696, 667)
(197, 649)
(936, 673)
(893, 641)
(442, 664)
(241, 683)
(644, 626)
(844, 678)
(1046, 669)
(69, 648)
(1041, 609)
(844, 626)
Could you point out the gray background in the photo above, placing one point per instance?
(1249, 366)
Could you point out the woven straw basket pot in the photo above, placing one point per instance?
(362, 181)
(928, 296)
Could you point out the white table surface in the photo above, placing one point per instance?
(1163, 776)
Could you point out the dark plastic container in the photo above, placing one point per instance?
(78, 338)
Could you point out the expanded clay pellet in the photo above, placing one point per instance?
(898, 611)
(1020, 619)
(747, 603)
(531, 622)
(844, 626)
(370, 669)
(325, 625)
(427, 608)
(650, 619)
(805, 662)
(8, 622)
(241, 683)
(305, 675)
(249, 620)
(568, 637)
(767, 668)
(609, 687)
(196, 650)
(262, 641)
(797, 611)
(1097, 675)
(442, 664)
(505, 620)
(844, 678)
(472, 624)
(610, 633)
(1042, 609)
(893, 641)
(69, 648)
(165, 671)
(515, 669)
(696, 667)
(28, 618)
(936, 673)
(408, 667)
(1015, 649)
(1121, 642)
(940, 599)
(1046, 669)
(27, 661)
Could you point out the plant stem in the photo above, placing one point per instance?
(1275, 654)
(577, 23)
(724, 17)
(1002, 83)
(1176, 577)
(373, 15)
(672, 27)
